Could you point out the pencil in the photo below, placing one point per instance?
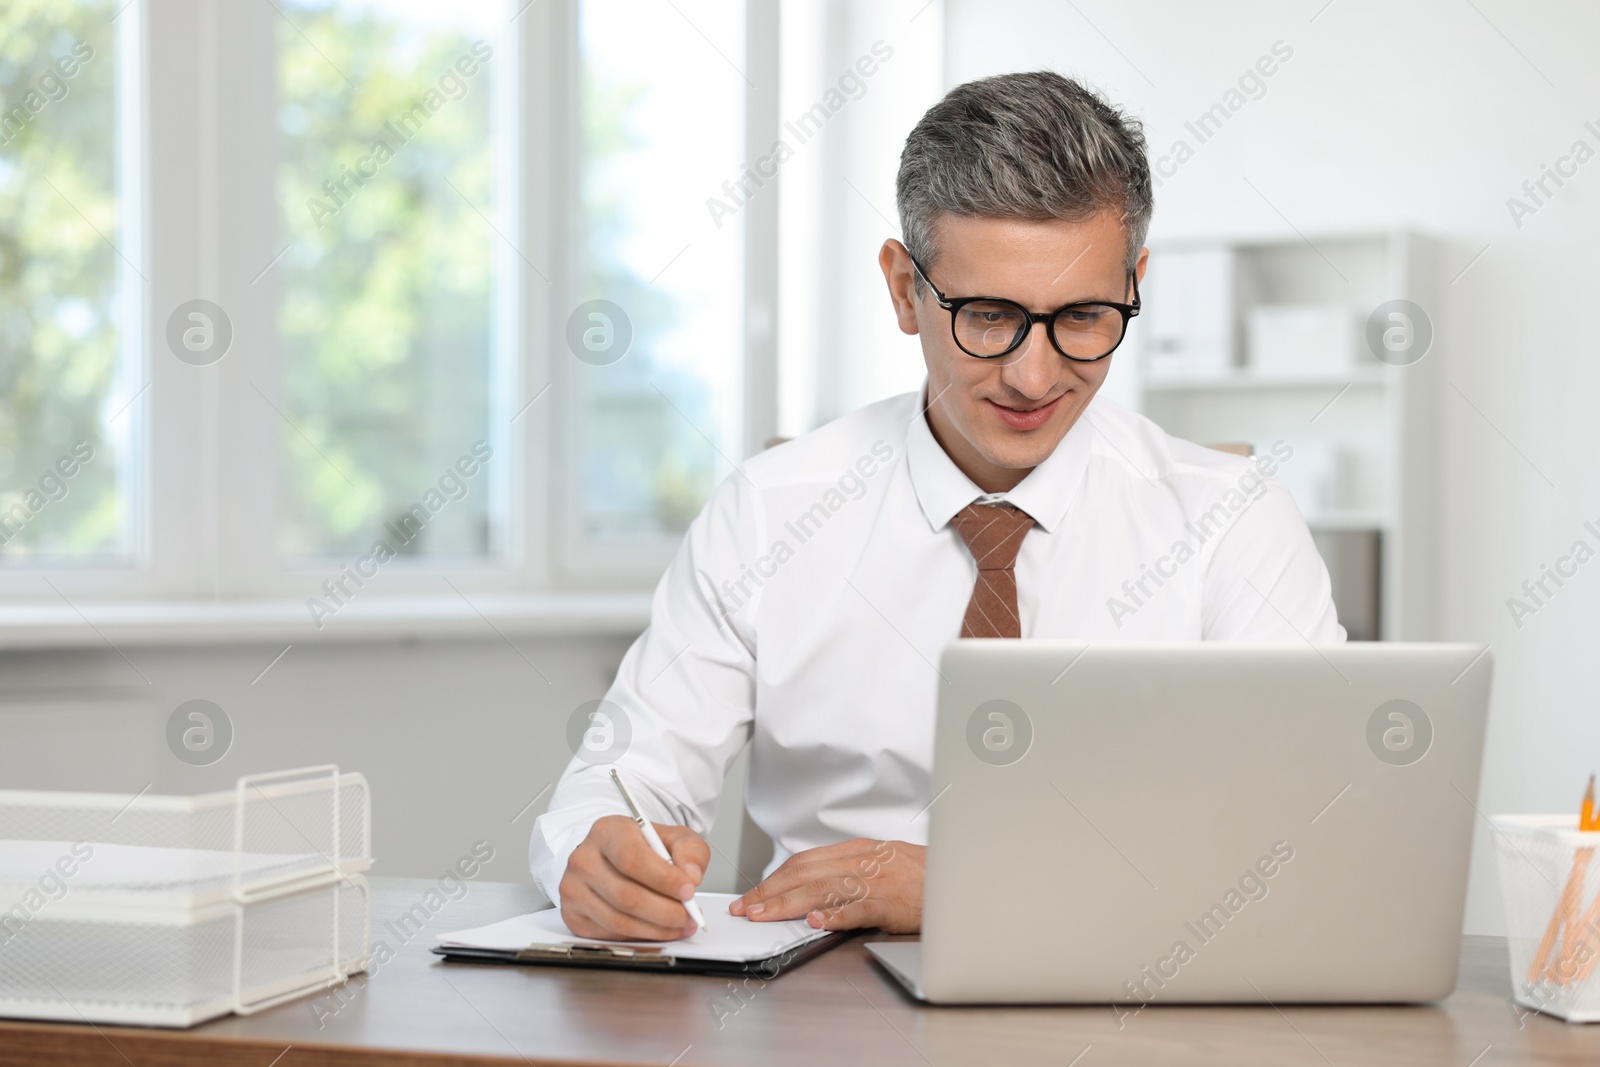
(1561, 920)
(1590, 927)
(1581, 938)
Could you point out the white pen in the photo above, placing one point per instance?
(653, 839)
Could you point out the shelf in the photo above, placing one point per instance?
(1371, 453)
(1358, 377)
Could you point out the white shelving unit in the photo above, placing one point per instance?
(1240, 378)
(1361, 428)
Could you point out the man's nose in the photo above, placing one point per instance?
(1033, 368)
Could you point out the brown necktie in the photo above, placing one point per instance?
(993, 533)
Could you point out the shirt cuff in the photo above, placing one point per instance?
(555, 837)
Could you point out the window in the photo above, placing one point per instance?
(69, 290)
(438, 236)
(385, 327)
(657, 327)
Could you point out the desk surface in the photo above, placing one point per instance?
(838, 1009)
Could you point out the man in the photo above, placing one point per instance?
(807, 607)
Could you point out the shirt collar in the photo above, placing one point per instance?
(1045, 494)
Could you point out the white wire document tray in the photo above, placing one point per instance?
(170, 910)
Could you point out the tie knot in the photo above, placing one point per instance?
(993, 533)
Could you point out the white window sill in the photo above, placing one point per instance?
(95, 624)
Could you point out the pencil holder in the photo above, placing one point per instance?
(1550, 878)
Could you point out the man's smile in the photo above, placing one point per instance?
(1020, 418)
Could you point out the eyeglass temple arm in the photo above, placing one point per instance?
(942, 300)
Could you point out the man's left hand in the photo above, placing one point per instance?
(848, 886)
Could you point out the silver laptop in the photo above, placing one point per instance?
(1167, 824)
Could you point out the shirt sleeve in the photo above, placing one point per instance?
(1266, 581)
(683, 701)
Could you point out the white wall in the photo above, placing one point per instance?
(1422, 115)
(455, 737)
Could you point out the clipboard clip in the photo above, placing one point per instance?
(645, 957)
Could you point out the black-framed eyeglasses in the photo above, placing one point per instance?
(989, 327)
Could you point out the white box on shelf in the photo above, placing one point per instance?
(171, 910)
(1317, 476)
(1300, 340)
(1186, 324)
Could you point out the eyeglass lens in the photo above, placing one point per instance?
(993, 327)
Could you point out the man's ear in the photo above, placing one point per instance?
(1144, 260)
(900, 276)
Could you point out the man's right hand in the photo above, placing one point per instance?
(616, 889)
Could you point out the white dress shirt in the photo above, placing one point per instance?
(812, 597)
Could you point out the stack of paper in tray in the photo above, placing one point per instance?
(167, 911)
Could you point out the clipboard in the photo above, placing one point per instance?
(730, 946)
(628, 958)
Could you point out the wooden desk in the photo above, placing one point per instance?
(838, 1009)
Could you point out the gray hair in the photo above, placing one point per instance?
(1032, 145)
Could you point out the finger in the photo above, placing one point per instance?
(629, 854)
(818, 894)
(803, 867)
(590, 877)
(856, 915)
(597, 917)
(640, 901)
(689, 851)
(794, 872)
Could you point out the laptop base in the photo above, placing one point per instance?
(903, 959)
